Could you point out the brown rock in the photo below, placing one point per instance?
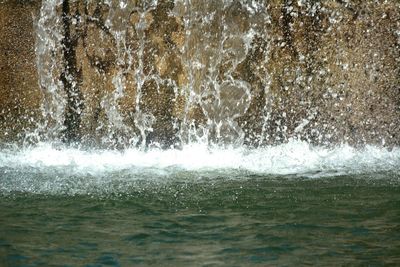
(322, 71)
(20, 96)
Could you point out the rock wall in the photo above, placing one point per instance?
(20, 97)
(168, 72)
(335, 71)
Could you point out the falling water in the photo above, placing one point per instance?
(189, 85)
(174, 84)
(207, 85)
(171, 74)
(49, 64)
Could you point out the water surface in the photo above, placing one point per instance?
(187, 208)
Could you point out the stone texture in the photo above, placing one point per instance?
(323, 71)
(340, 72)
(20, 96)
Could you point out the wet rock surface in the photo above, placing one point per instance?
(20, 96)
(167, 72)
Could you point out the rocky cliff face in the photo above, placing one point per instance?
(170, 72)
(335, 66)
(20, 96)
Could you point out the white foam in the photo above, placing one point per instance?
(298, 158)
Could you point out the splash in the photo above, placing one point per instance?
(48, 170)
(295, 157)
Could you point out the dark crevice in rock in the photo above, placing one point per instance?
(71, 78)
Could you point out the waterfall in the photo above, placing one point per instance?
(121, 74)
(115, 40)
(49, 65)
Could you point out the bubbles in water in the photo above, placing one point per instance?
(295, 157)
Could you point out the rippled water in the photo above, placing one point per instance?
(286, 205)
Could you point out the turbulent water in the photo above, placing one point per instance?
(284, 205)
(74, 171)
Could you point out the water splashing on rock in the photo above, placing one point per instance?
(119, 74)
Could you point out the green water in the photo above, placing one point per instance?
(219, 221)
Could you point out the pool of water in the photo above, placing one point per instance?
(220, 208)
